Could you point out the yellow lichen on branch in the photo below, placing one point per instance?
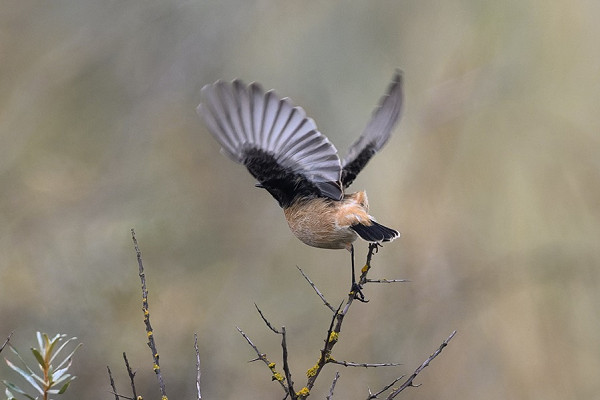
(303, 392)
(312, 371)
(333, 337)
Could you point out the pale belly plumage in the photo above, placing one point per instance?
(325, 223)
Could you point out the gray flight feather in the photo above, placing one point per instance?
(377, 131)
(244, 117)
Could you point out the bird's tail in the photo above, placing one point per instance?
(375, 232)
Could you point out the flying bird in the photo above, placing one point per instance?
(284, 151)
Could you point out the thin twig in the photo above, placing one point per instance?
(263, 357)
(335, 379)
(120, 396)
(271, 327)
(409, 381)
(112, 383)
(385, 388)
(149, 331)
(198, 374)
(131, 375)
(386, 280)
(6, 341)
(365, 365)
(316, 290)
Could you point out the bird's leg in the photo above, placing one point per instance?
(356, 288)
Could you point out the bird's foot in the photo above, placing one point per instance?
(356, 291)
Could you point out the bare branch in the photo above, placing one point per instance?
(336, 323)
(335, 379)
(271, 327)
(409, 381)
(330, 341)
(316, 290)
(365, 365)
(114, 389)
(112, 383)
(150, 333)
(286, 366)
(6, 341)
(197, 366)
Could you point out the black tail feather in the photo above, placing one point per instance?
(375, 232)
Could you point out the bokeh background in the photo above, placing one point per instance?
(492, 177)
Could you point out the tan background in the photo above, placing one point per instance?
(492, 178)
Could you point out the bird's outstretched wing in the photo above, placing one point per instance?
(279, 145)
(377, 132)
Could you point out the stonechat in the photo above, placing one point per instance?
(282, 148)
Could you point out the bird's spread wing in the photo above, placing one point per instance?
(377, 132)
(279, 145)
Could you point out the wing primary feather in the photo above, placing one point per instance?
(304, 126)
(216, 129)
(295, 120)
(304, 140)
(241, 93)
(257, 111)
(222, 112)
(232, 102)
(279, 125)
(274, 110)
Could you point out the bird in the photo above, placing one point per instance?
(285, 152)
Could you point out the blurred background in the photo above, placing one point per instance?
(492, 177)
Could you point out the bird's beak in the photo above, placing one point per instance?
(259, 185)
